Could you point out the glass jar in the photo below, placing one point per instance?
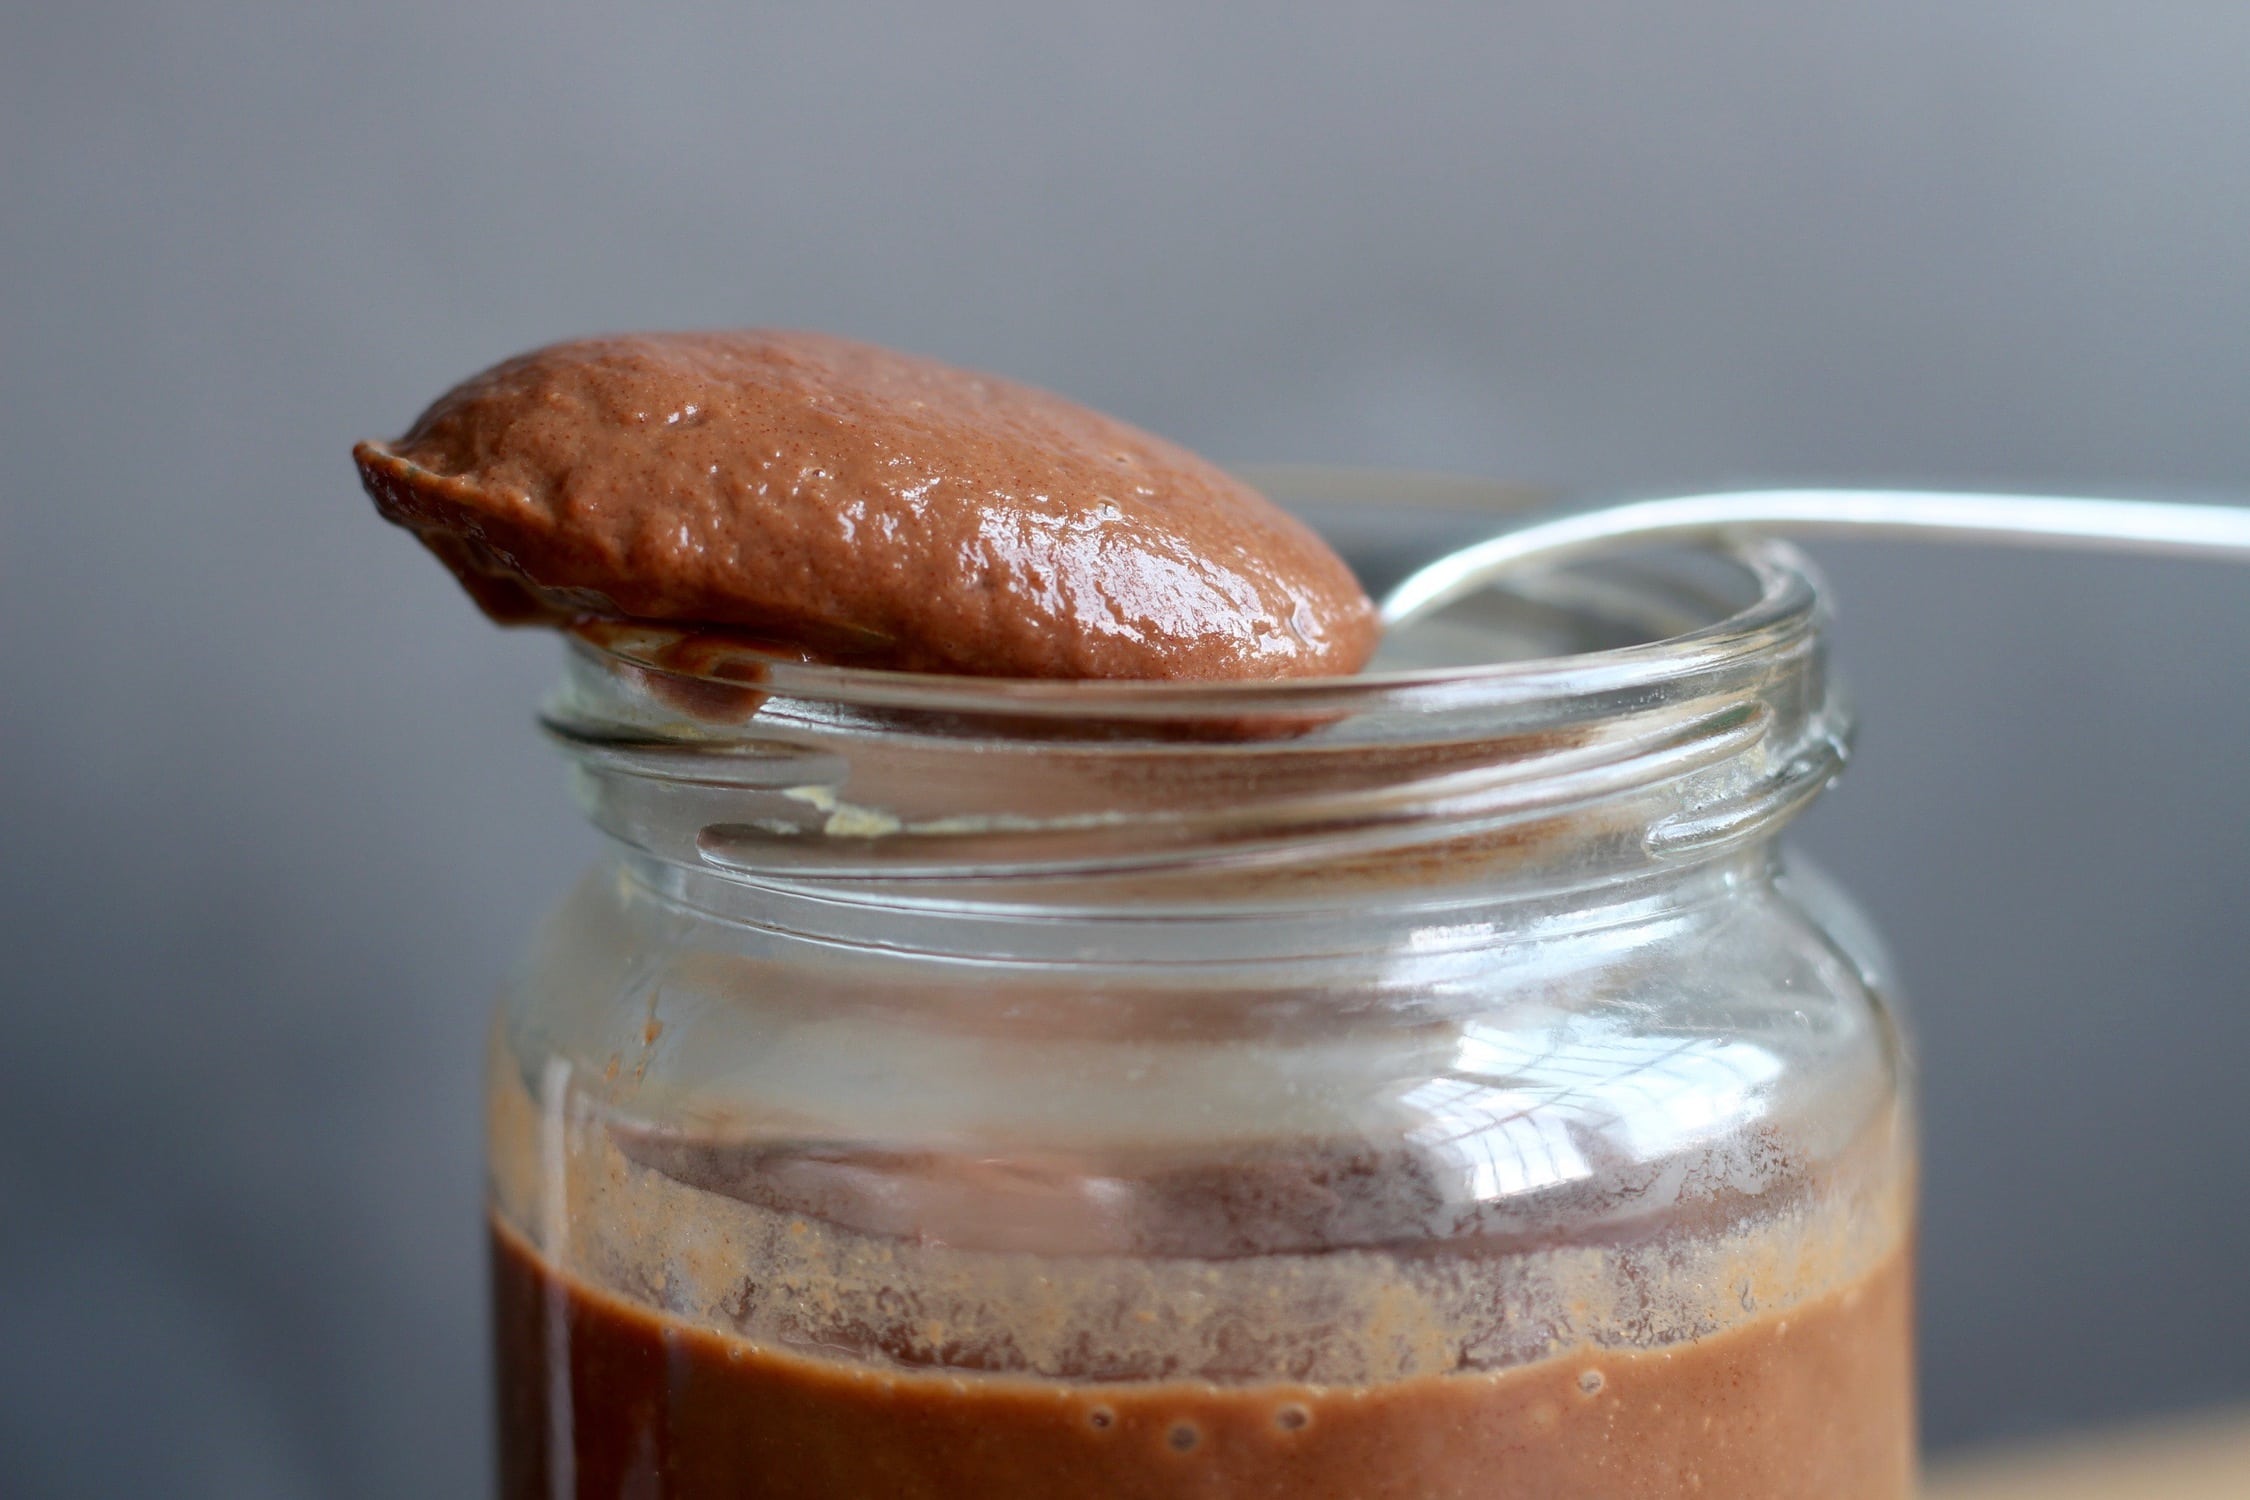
(1433, 1083)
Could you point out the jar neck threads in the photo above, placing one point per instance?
(1507, 779)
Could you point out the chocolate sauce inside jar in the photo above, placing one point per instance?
(604, 1397)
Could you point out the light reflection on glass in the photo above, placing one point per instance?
(1518, 1107)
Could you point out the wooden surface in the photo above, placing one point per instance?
(2205, 1458)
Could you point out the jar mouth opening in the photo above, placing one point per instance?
(1726, 604)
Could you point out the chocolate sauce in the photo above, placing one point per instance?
(863, 506)
(605, 1397)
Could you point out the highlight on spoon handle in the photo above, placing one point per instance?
(2027, 520)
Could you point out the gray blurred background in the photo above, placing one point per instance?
(275, 819)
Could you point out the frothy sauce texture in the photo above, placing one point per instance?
(861, 506)
(603, 1397)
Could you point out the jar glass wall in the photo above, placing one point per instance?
(1433, 1083)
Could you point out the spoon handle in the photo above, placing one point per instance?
(2026, 520)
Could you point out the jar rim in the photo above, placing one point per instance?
(1786, 605)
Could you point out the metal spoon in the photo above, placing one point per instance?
(2024, 520)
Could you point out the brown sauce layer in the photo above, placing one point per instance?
(863, 506)
(602, 1397)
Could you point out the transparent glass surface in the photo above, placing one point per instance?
(1428, 1083)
